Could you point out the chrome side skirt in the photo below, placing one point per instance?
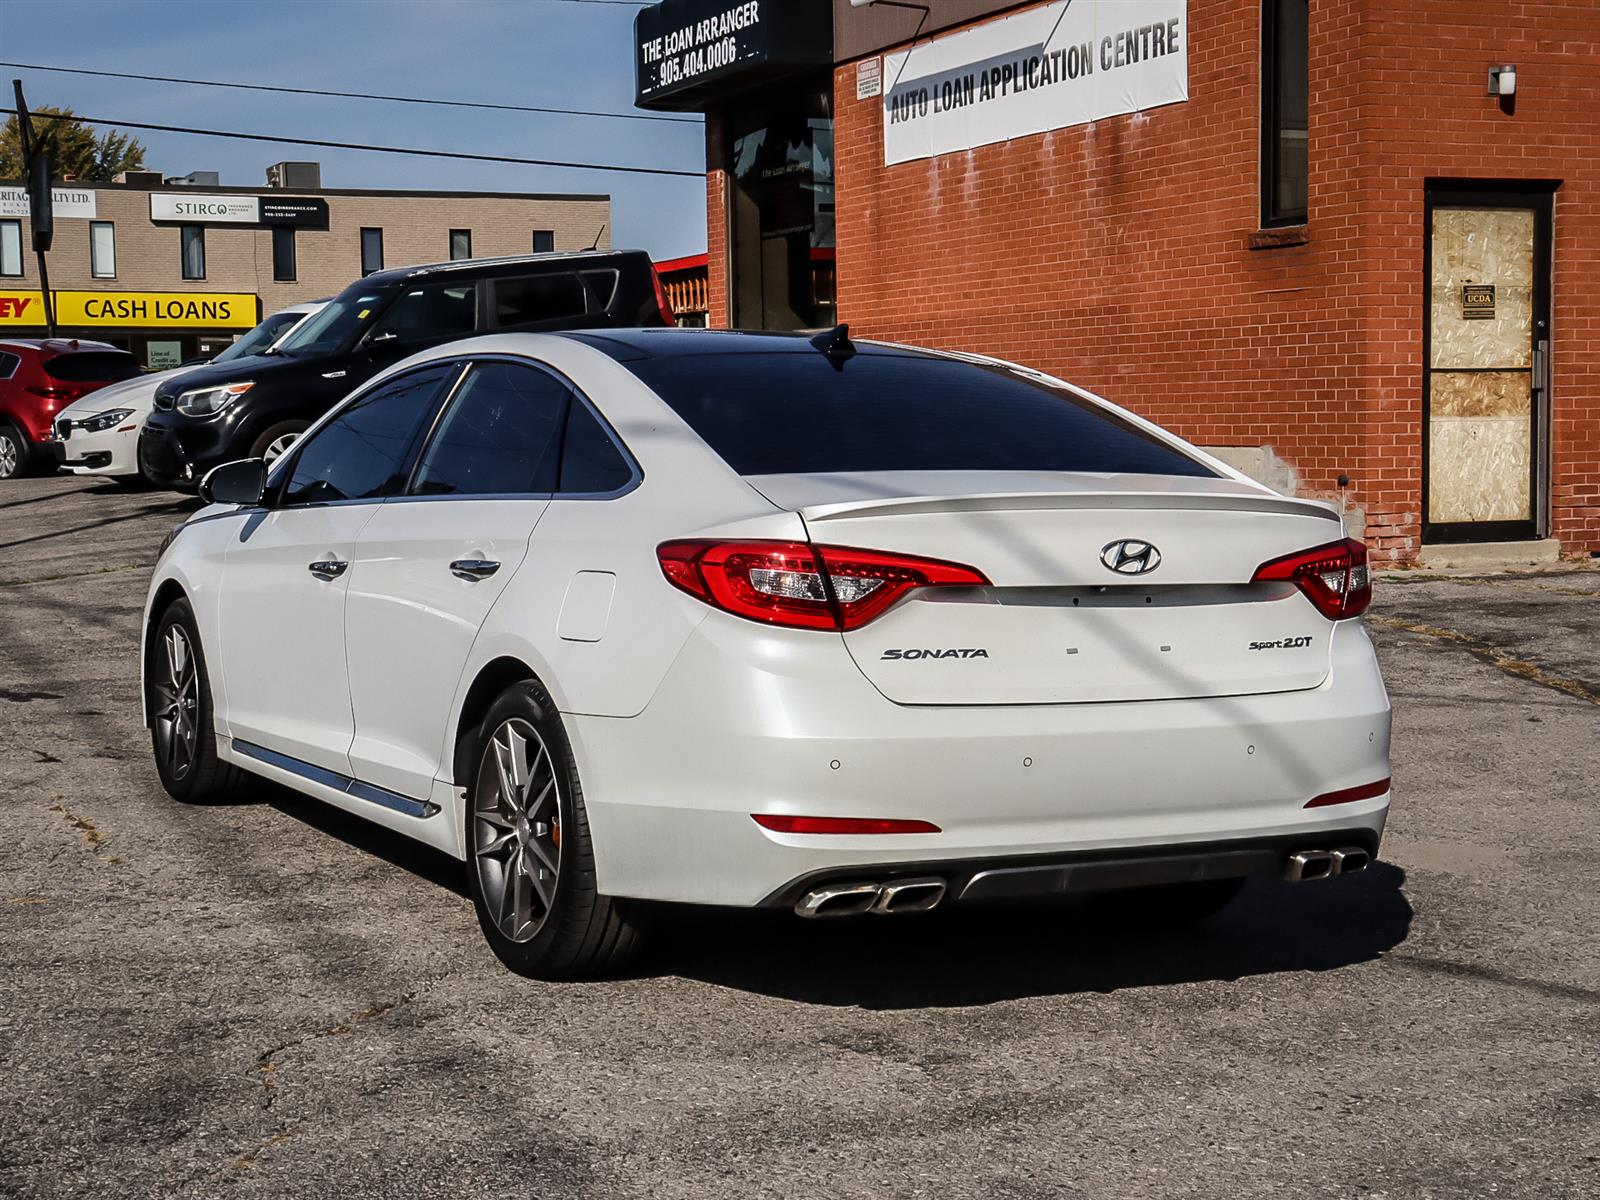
(354, 788)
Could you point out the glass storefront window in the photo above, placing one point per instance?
(783, 223)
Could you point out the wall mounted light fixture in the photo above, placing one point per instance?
(1503, 80)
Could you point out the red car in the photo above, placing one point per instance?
(41, 376)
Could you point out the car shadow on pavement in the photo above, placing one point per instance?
(980, 956)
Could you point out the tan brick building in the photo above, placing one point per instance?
(126, 256)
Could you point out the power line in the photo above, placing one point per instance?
(421, 153)
(296, 91)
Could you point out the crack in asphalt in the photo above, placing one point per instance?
(1486, 651)
(92, 836)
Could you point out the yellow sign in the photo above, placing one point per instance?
(138, 310)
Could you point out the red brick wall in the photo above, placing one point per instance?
(1117, 254)
(716, 225)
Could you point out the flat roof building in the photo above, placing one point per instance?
(172, 271)
(1333, 239)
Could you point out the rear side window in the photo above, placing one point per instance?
(92, 367)
(777, 414)
(8, 365)
(590, 460)
(499, 437)
(553, 296)
(365, 451)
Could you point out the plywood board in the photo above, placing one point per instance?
(1482, 246)
(1478, 469)
(1482, 394)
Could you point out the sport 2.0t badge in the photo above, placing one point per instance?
(1130, 557)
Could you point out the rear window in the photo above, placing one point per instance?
(780, 414)
(92, 367)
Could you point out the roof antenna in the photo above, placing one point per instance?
(596, 242)
(836, 345)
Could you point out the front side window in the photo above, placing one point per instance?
(460, 244)
(789, 413)
(10, 247)
(364, 453)
(499, 437)
(433, 311)
(1285, 107)
(551, 297)
(194, 251)
(336, 326)
(102, 250)
(283, 264)
(371, 251)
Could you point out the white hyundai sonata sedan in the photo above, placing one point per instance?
(769, 620)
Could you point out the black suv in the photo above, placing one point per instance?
(255, 407)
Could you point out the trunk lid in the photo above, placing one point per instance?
(1059, 624)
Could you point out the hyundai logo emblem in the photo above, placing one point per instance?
(1130, 557)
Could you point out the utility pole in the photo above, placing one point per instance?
(41, 210)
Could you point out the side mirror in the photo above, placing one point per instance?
(243, 482)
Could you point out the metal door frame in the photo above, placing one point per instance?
(1538, 196)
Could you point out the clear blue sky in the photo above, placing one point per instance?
(558, 53)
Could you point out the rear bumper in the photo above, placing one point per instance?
(757, 722)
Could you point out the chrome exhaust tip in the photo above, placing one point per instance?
(909, 895)
(1309, 864)
(1349, 859)
(838, 900)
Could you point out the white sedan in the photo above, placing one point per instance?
(759, 619)
(99, 435)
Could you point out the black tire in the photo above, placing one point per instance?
(195, 775)
(1171, 904)
(131, 483)
(259, 447)
(16, 455)
(580, 933)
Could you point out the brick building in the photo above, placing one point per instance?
(1326, 237)
(175, 270)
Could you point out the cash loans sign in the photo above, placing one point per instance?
(1048, 68)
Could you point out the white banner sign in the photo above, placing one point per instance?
(66, 201)
(1063, 64)
(204, 208)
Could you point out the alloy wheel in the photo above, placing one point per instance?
(8, 457)
(177, 704)
(516, 830)
(278, 446)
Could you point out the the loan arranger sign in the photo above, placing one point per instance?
(211, 208)
(690, 51)
(1047, 68)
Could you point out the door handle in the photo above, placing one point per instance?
(473, 568)
(327, 568)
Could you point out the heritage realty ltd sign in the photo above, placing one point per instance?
(64, 202)
(1048, 68)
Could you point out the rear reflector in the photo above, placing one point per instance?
(803, 586)
(782, 824)
(1335, 577)
(1367, 791)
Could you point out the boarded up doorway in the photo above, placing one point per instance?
(1486, 379)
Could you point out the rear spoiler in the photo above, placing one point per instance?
(1026, 501)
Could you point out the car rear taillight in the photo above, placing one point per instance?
(800, 585)
(59, 394)
(1335, 577)
(1366, 791)
(668, 317)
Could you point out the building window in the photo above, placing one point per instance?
(283, 254)
(371, 251)
(460, 244)
(544, 241)
(1284, 109)
(10, 247)
(102, 250)
(194, 251)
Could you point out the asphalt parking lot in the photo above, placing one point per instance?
(271, 999)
